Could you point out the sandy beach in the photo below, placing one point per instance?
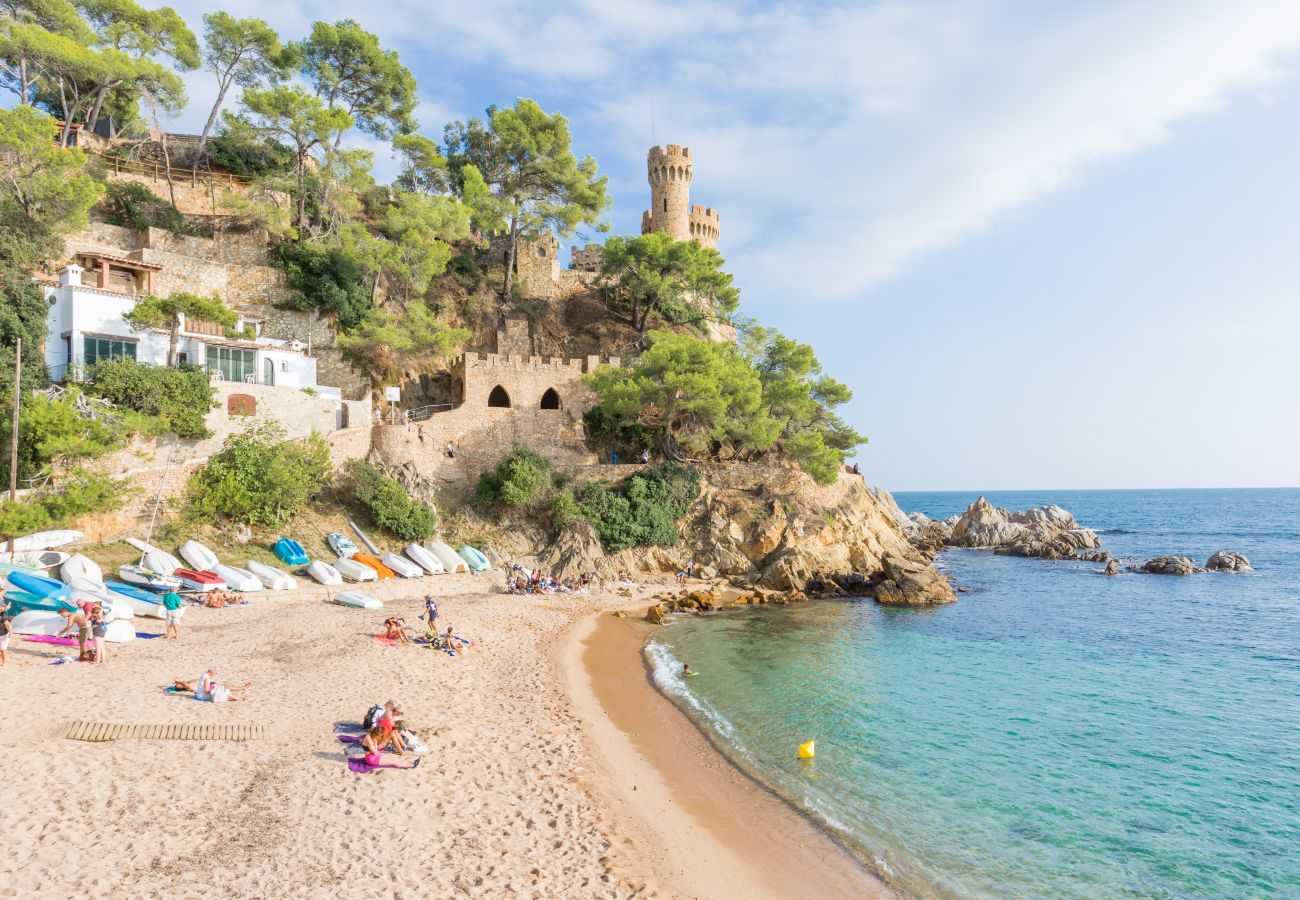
(554, 768)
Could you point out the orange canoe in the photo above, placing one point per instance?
(373, 562)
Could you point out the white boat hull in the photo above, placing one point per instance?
(358, 600)
(449, 558)
(148, 578)
(140, 607)
(273, 578)
(42, 540)
(199, 557)
(237, 579)
(43, 559)
(355, 571)
(325, 573)
(47, 623)
(425, 559)
(402, 566)
(82, 573)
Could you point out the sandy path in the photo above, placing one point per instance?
(497, 809)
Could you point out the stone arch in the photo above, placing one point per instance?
(499, 397)
(551, 399)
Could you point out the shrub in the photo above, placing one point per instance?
(77, 493)
(179, 397)
(520, 477)
(260, 478)
(389, 505)
(643, 510)
(249, 157)
(132, 205)
(565, 510)
(325, 278)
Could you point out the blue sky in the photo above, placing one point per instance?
(1047, 244)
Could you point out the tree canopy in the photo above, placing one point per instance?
(677, 282)
(244, 52)
(352, 73)
(170, 312)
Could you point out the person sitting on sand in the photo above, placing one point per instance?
(208, 687)
(376, 740)
(396, 630)
(81, 622)
(451, 642)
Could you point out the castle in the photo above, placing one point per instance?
(669, 171)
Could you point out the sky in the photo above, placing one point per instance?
(1048, 244)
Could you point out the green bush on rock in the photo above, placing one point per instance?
(643, 510)
(388, 503)
(260, 478)
(522, 476)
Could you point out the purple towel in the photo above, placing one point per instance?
(361, 767)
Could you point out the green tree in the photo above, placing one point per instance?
(523, 178)
(680, 282)
(423, 167)
(30, 32)
(260, 478)
(53, 434)
(326, 279)
(385, 344)
(387, 502)
(352, 73)
(171, 312)
(246, 52)
(24, 245)
(420, 229)
(302, 121)
(178, 398)
(47, 183)
(132, 205)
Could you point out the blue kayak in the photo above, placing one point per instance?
(39, 585)
(133, 591)
(21, 601)
(290, 552)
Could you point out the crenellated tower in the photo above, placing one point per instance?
(669, 172)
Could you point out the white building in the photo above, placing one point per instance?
(86, 324)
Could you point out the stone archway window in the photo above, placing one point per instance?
(551, 399)
(499, 397)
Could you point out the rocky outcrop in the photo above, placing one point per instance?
(1048, 532)
(1227, 561)
(910, 583)
(927, 535)
(1169, 565)
(1112, 567)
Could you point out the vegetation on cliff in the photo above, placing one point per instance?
(386, 502)
(260, 478)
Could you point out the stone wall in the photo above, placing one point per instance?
(196, 197)
(587, 258)
(233, 265)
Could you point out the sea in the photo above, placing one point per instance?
(1053, 733)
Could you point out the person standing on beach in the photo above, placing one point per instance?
(430, 609)
(5, 631)
(78, 621)
(172, 615)
(99, 631)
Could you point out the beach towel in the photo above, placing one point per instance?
(51, 639)
(380, 639)
(146, 636)
(361, 767)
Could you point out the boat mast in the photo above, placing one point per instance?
(13, 448)
(157, 500)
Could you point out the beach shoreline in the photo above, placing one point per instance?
(702, 826)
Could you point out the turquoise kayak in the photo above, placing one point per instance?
(477, 561)
(39, 585)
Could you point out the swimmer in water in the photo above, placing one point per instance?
(686, 670)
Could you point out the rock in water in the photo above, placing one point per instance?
(1112, 568)
(1169, 565)
(1227, 561)
(1047, 532)
(908, 583)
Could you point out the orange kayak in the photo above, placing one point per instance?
(373, 562)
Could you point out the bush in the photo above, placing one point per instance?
(389, 505)
(565, 510)
(260, 478)
(77, 493)
(132, 205)
(643, 510)
(326, 279)
(520, 477)
(179, 397)
(247, 157)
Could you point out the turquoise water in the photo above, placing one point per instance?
(1054, 733)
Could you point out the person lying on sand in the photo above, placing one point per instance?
(395, 630)
(376, 740)
(208, 687)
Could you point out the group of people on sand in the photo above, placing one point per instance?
(384, 731)
(522, 581)
(90, 621)
(396, 633)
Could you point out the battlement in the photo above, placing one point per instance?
(587, 259)
(670, 171)
(534, 363)
(671, 150)
(704, 213)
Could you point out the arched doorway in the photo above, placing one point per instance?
(550, 400)
(499, 397)
(268, 369)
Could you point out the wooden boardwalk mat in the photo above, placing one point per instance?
(81, 730)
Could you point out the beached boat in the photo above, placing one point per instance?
(370, 545)
(39, 585)
(41, 559)
(342, 545)
(238, 579)
(375, 563)
(355, 571)
(39, 622)
(198, 556)
(425, 559)
(21, 601)
(42, 540)
(83, 573)
(402, 566)
(449, 558)
(6, 568)
(271, 577)
(156, 559)
(290, 552)
(115, 605)
(358, 600)
(142, 602)
(200, 580)
(148, 578)
(324, 573)
(477, 561)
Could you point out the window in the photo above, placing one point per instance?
(665, 204)
(498, 397)
(232, 363)
(100, 349)
(550, 400)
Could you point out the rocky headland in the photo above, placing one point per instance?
(1046, 532)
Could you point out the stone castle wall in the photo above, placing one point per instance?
(234, 265)
(197, 197)
(669, 173)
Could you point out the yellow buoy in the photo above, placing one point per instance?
(807, 749)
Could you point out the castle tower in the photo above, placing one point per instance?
(669, 172)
